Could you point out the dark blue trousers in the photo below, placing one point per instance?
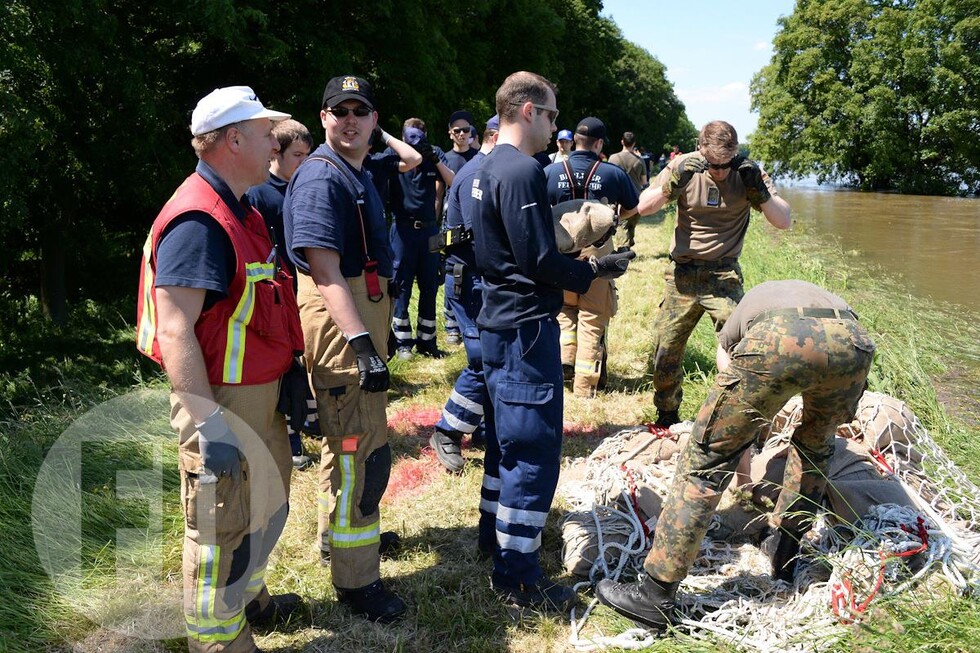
(463, 412)
(414, 263)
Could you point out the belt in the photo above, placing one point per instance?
(801, 312)
(720, 263)
(416, 224)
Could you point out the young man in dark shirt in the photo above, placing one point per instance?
(523, 274)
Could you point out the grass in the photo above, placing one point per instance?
(54, 376)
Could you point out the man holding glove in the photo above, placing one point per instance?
(715, 189)
(337, 237)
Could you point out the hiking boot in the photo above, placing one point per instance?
(648, 601)
(374, 601)
(784, 558)
(667, 418)
(276, 613)
(545, 595)
(448, 451)
(454, 338)
(404, 353)
(390, 543)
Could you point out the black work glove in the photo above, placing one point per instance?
(756, 190)
(424, 148)
(218, 445)
(682, 175)
(294, 395)
(612, 265)
(371, 368)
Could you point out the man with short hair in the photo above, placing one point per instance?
(564, 142)
(209, 255)
(463, 412)
(416, 205)
(460, 133)
(636, 168)
(784, 338)
(523, 274)
(715, 190)
(584, 318)
(337, 237)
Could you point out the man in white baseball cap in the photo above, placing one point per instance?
(219, 313)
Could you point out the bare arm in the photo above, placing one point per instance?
(410, 158)
(325, 270)
(722, 359)
(177, 311)
(651, 200)
(446, 173)
(777, 212)
(625, 213)
(440, 195)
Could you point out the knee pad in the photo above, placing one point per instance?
(377, 469)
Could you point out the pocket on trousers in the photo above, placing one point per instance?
(531, 394)
(725, 383)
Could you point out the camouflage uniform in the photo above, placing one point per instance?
(784, 352)
(690, 290)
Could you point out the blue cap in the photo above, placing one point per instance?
(494, 123)
(564, 135)
(413, 135)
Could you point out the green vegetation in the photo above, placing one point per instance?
(439, 573)
(879, 94)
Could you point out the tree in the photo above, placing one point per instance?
(882, 94)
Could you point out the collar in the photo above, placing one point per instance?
(238, 206)
(586, 154)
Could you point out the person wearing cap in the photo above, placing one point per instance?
(460, 133)
(416, 204)
(584, 318)
(564, 142)
(523, 276)
(338, 239)
(636, 167)
(784, 338)
(463, 412)
(209, 257)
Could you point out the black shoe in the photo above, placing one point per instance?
(648, 601)
(430, 351)
(374, 601)
(478, 440)
(785, 557)
(276, 613)
(485, 551)
(390, 544)
(545, 595)
(666, 419)
(448, 451)
(567, 373)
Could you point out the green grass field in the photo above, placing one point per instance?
(63, 374)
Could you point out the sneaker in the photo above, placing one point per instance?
(390, 544)
(302, 462)
(667, 418)
(448, 451)
(276, 613)
(545, 595)
(454, 338)
(404, 353)
(374, 601)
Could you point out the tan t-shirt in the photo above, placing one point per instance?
(712, 217)
(774, 295)
(632, 164)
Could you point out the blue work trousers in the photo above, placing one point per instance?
(523, 425)
(414, 263)
(464, 410)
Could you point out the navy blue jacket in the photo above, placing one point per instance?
(460, 208)
(609, 181)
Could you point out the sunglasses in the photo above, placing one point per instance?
(721, 166)
(341, 112)
(460, 130)
(552, 111)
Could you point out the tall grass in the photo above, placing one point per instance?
(53, 376)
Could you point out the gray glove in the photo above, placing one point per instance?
(612, 265)
(756, 191)
(218, 445)
(682, 176)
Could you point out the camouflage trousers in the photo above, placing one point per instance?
(825, 360)
(690, 290)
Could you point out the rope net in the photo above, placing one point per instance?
(898, 513)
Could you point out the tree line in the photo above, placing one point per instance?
(96, 95)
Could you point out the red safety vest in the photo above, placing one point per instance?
(250, 336)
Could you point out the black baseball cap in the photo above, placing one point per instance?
(591, 127)
(347, 87)
(462, 114)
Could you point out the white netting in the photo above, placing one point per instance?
(729, 594)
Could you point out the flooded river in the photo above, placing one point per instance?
(932, 243)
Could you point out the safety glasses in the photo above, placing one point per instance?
(341, 112)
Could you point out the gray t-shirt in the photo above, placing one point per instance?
(774, 295)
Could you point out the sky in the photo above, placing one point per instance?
(711, 49)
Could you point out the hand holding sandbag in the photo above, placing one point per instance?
(612, 265)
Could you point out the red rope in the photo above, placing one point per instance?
(661, 432)
(631, 484)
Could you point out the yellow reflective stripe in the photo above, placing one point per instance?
(351, 538)
(216, 630)
(202, 625)
(256, 581)
(345, 502)
(148, 319)
(240, 318)
(323, 499)
(568, 337)
(586, 367)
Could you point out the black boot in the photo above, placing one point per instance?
(667, 418)
(648, 601)
(277, 613)
(448, 450)
(374, 601)
(784, 558)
